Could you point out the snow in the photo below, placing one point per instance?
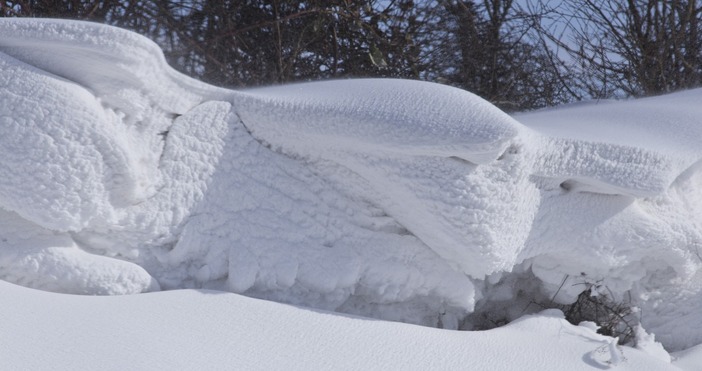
(389, 199)
(189, 329)
(649, 245)
(689, 359)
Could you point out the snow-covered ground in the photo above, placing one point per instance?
(205, 330)
(393, 200)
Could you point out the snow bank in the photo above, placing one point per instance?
(189, 329)
(641, 246)
(393, 199)
(148, 169)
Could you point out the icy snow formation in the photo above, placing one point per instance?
(394, 199)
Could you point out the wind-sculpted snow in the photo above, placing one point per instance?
(394, 199)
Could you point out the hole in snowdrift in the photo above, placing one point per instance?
(521, 293)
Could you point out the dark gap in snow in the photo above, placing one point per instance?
(520, 293)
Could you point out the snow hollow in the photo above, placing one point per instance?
(395, 200)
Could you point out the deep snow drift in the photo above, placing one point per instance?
(391, 199)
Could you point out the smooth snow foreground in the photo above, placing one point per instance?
(190, 330)
(391, 199)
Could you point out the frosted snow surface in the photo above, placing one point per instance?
(392, 199)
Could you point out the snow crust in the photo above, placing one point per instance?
(392, 199)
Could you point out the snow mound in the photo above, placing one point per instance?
(393, 199)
